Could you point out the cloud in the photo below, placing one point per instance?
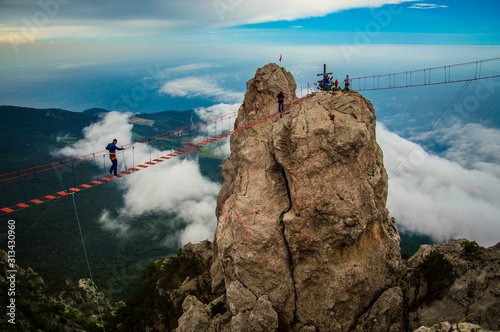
(473, 146)
(98, 135)
(175, 187)
(201, 87)
(125, 18)
(222, 149)
(190, 67)
(439, 197)
(113, 225)
(216, 111)
(426, 6)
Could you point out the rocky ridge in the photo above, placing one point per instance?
(72, 307)
(303, 240)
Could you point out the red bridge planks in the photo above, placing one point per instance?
(149, 163)
(107, 179)
(85, 186)
(22, 205)
(62, 193)
(36, 201)
(74, 189)
(134, 169)
(50, 197)
(142, 166)
(7, 210)
(158, 160)
(125, 172)
(164, 157)
(96, 182)
(185, 150)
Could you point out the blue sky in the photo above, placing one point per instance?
(157, 55)
(78, 55)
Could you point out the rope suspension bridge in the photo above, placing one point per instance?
(219, 133)
(465, 72)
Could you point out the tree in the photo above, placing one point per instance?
(329, 86)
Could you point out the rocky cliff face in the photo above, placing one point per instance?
(302, 223)
(303, 240)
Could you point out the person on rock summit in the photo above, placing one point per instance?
(280, 97)
(347, 83)
(112, 156)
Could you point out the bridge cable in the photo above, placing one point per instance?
(429, 132)
(87, 259)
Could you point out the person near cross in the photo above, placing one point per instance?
(326, 80)
(347, 82)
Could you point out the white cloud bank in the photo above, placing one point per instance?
(200, 87)
(98, 135)
(174, 186)
(426, 6)
(439, 197)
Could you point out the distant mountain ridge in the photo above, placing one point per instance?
(31, 132)
(96, 111)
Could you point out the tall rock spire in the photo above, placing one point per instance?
(302, 222)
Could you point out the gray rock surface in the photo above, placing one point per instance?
(195, 317)
(301, 213)
(469, 292)
(447, 327)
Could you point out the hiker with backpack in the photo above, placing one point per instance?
(111, 147)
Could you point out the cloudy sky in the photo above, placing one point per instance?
(157, 55)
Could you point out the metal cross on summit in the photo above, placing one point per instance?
(325, 74)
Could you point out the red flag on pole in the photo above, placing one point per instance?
(281, 56)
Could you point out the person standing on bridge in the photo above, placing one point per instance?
(280, 97)
(113, 171)
(347, 82)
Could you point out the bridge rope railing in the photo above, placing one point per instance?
(95, 156)
(462, 72)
